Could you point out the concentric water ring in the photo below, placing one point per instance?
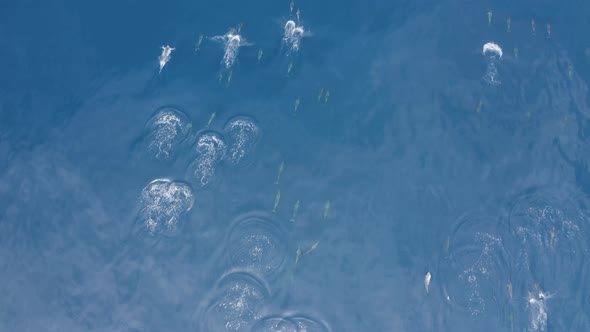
(257, 244)
(475, 270)
(274, 324)
(236, 304)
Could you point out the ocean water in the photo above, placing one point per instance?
(294, 171)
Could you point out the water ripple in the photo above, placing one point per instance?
(288, 323)
(476, 264)
(257, 244)
(235, 304)
(308, 324)
(548, 241)
(274, 324)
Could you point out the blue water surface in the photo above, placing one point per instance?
(294, 176)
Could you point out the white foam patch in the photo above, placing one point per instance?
(236, 305)
(243, 134)
(164, 203)
(292, 36)
(232, 42)
(538, 312)
(493, 53)
(167, 129)
(492, 48)
(210, 149)
(231, 50)
(540, 231)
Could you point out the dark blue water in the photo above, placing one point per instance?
(308, 183)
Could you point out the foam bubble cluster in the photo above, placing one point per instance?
(236, 304)
(292, 36)
(210, 150)
(243, 134)
(231, 45)
(475, 263)
(493, 53)
(231, 50)
(166, 129)
(480, 269)
(538, 313)
(549, 238)
(164, 202)
(257, 245)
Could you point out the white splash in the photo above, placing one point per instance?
(165, 56)
(492, 48)
(232, 41)
(538, 308)
(427, 279)
(292, 35)
(493, 53)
